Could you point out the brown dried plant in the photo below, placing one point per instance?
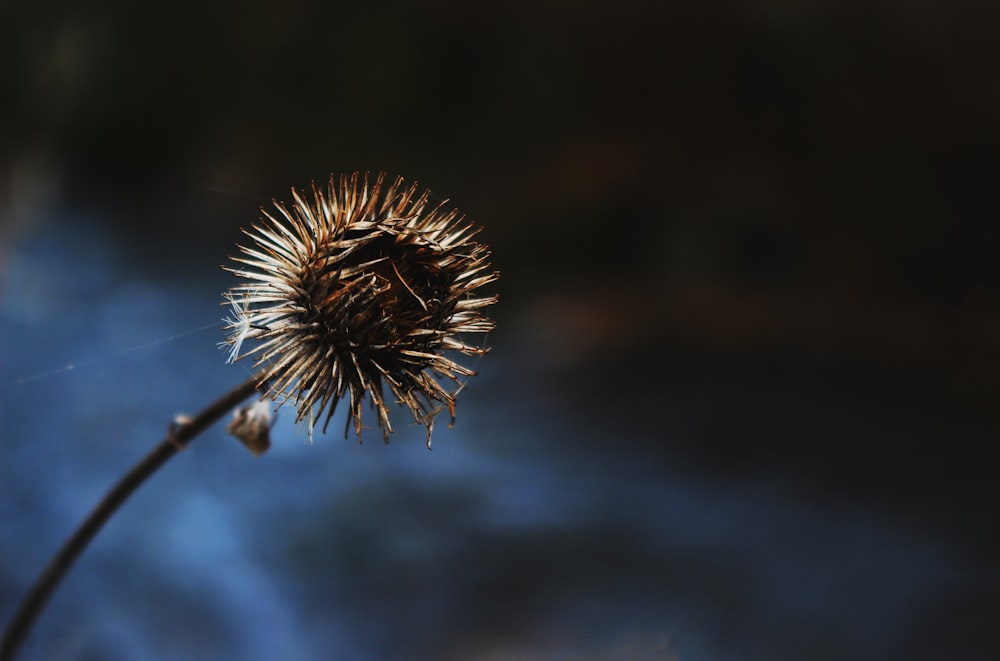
(354, 288)
(358, 287)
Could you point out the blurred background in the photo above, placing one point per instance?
(741, 402)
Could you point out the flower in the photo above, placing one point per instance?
(357, 287)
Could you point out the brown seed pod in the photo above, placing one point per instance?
(251, 425)
(358, 287)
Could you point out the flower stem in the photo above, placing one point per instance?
(178, 438)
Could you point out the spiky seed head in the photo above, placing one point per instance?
(358, 287)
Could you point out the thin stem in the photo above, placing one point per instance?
(178, 438)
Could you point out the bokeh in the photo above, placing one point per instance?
(742, 398)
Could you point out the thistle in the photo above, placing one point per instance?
(352, 289)
(356, 288)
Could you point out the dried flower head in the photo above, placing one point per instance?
(355, 288)
(251, 425)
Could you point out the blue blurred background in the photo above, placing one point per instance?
(742, 397)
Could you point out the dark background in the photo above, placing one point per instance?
(742, 397)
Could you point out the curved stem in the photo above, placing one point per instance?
(178, 438)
